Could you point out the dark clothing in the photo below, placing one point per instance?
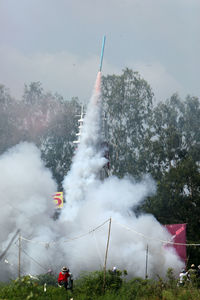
(70, 282)
(198, 273)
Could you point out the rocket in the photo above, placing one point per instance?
(102, 51)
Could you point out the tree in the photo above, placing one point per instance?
(9, 133)
(166, 142)
(127, 103)
(44, 119)
(37, 110)
(191, 127)
(33, 93)
(178, 199)
(175, 133)
(57, 141)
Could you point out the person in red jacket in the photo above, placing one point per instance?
(63, 277)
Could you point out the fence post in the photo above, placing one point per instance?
(106, 255)
(146, 269)
(19, 256)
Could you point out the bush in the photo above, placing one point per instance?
(90, 287)
(26, 288)
(48, 278)
(92, 284)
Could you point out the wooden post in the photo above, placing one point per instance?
(19, 256)
(106, 255)
(146, 269)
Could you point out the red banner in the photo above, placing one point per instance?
(178, 232)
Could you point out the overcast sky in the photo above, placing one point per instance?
(59, 44)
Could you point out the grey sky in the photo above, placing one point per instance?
(59, 44)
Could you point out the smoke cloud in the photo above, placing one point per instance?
(76, 239)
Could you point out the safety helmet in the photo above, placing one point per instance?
(64, 269)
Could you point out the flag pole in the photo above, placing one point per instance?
(147, 252)
(19, 255)
(106, 255)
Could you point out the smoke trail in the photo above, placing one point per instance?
(91, 201)
(88, 160)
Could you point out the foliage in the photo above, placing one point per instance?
(178, 199)
(127, 103)
(89, 287)
(44, 119)
(91, 283)
(171, 279)
(56, 142)
(8, 120)
(30, 289)
(48, 278)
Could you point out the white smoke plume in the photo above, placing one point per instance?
(26, 188)
(91, 201)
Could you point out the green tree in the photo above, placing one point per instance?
(51, 123)
(127, 103)
(191, 127)
(9, 132)
(166, 144)
(178, 200)
(45, 119)
(57, 141)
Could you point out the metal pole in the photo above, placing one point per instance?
(9, 245)
(106, 255)
(147, 250)
(19, 257)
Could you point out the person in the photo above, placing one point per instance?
(192, 272)
(183, 277)
(63, 277)
(70, 281)
(114, 270)
(198, 272)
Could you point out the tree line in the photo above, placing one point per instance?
(160, 139)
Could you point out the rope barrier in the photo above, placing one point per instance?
(89, 232)
(47, 244)
(35, 261)
(37, 242)
(152, 238)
